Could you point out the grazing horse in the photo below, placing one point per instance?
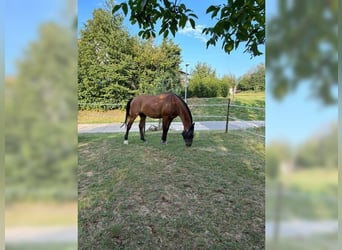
(166, 106)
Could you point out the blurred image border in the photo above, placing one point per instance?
(2, 140)
(339, 133)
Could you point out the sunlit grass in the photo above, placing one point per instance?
(313, 180)
(306, 194)
(41, 214)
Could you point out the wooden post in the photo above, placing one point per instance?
(227, 118)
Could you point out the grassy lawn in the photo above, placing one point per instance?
(248, 99)
(153, 196)
(307, 194)
(41, 214)
(315, 242)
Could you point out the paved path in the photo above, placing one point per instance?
(178, 126)
(51, 234)
(288, 229)
(302, 228)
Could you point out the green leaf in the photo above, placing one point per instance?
(182, 21)
(193, 15)
(116, 8)
(166, 33)
(124, 8)
(192, 23)
(228, 46)
(211, 8)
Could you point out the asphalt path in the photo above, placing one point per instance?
(177, 126)
(47, 234)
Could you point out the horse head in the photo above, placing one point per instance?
(188, 135)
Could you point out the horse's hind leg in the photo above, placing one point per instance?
(129, 125)
(142, 126)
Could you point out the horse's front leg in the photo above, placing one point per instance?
(166, 126)
(142, 127)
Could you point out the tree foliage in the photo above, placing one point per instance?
(319, 151)
(253, 80)
(302, 46)
(113, 66)
(238, 21)
(277, 153)
(40, 119)
(205, 83)
(105, 66)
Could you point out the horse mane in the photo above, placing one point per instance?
(186, 105)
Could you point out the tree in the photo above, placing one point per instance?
(40, 118)
(254, 79)
(106, 68)
(114, 66)
(238, 21)
(276, 154)
(204, 82)
(157, 67)
(320, 150)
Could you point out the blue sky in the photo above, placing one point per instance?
(22, 20)
(192, 42)
(297, 117)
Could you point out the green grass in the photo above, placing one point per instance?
(306, 194)
(317, 181)
(153, 196)
(315, 242)
(36, 214)
(247, 99)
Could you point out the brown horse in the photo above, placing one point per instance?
(166, 106)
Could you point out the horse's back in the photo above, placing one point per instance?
(152, 105)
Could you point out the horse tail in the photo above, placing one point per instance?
(128, 107)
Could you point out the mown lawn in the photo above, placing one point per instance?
(314, 242)
(153, 196)
(200, 113)
(36, 214)
(309, 194)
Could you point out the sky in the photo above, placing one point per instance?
(297, 117)
(22, 19)
(294, 119)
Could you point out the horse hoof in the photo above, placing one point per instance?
(125, 142)
(164, 142)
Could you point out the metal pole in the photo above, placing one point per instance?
(227, 118)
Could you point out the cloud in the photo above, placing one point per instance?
(195, 33)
